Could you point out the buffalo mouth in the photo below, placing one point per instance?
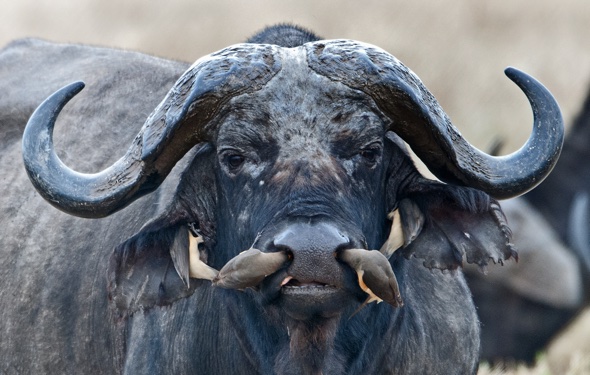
(308, 269)
(306, 299)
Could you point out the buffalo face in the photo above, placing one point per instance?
(302, 168)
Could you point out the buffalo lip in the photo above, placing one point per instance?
(307, 300)
(292, 286)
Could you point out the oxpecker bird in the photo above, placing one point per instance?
(186, 257)
(375, 276)
(249, 268)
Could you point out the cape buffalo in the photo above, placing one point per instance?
(280, 163)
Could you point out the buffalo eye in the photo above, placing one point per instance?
(234, 161)
(370, 155)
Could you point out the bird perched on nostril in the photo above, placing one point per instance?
(249, 268)
(375, 276)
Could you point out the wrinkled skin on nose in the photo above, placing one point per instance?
(313, 248)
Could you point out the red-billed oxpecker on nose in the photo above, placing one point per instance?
(249, 268)
(375, 275)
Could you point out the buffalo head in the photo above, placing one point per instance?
(299, 159)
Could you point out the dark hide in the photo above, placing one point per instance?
(303, 151)
(472, 224)
(142, 273)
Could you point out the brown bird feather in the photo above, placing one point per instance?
(375, 276)
(249, 268)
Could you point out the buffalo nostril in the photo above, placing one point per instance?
(312, 248)
(310, 238)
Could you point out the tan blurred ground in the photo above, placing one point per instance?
(458, 48)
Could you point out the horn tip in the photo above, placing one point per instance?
(515, 74)
(73, 88)
(79, 84)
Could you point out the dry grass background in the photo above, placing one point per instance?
(458, 48)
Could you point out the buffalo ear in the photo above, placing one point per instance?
(457, 224)
(142, 273)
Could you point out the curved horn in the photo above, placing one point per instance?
(176, 125)
(418, 118)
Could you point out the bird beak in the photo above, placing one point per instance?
(197, 268)
(406, 223)
(396, 235)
